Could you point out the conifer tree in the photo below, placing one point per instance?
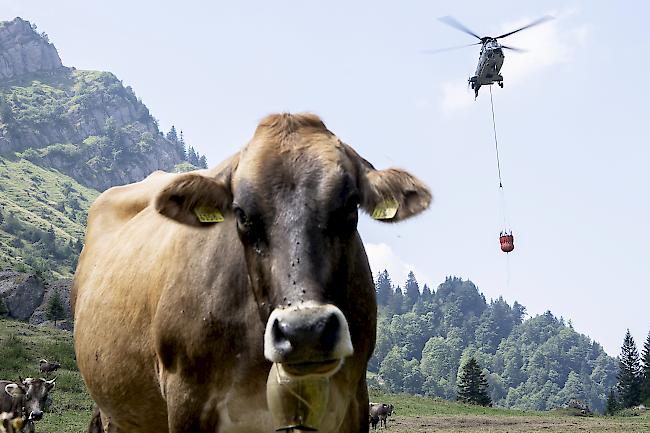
(472, 384)
(172, 136)
(181, 147)
(612, 403)
(411, 291)
(383, 288)
(55, 310)
(396, 305)
(203, 162)
(645, 372)
(4, 311)
(427, 296)
(629, 373)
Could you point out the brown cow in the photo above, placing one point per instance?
(177, 321)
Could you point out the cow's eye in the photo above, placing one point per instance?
(240, 216)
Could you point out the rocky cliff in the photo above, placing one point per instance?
(86, 124)
(26, 297)
(24, 51)
(65, 136)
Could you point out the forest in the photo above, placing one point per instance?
(425, 336)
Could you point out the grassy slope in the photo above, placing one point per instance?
(419, 414)
(31, 193)
(21, 346)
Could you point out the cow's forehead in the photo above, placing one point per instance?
(301, 156)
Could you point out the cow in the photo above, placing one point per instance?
(190, 286)
(26, 399)
(379, 412)
(47, 367)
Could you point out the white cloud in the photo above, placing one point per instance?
(381, 256)
(547, 44)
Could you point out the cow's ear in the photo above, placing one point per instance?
(14, 390)
(389, 195)
(194, 199)
(49, 384)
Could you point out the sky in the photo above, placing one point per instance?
(571, 123)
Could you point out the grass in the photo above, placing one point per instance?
(420, 414)
(21, 347)
(40, 199)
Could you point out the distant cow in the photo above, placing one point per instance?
(379, 412)
(47, 367)
(25, 399)
(190, 285)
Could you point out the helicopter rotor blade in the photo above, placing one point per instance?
(451, 21)
(534, 23)
(440, 50)
(516, 50)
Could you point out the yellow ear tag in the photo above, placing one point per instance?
(208, 214)
(385, 210)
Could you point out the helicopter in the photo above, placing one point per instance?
(491, 56)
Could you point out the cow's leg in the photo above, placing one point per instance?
(101, 423)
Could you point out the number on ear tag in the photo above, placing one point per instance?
(208, 214)
(385, 210)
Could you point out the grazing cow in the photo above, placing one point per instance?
(47, 367)
(379, 412)
(190, 285)
(26, 399)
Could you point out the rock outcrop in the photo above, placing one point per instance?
(23, 50)
(21, 293)
(27, 297)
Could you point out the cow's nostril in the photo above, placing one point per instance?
(330, 331)
(280, 338)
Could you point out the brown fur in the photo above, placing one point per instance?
(168, 333)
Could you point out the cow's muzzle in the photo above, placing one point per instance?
(307, 340)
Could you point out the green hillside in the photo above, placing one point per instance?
(43, 215)
(66, 135)
(21, 347)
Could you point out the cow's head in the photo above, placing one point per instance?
(36, 393)
(293, 194)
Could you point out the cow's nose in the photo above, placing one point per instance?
(36, 415)
(304, 335)
(292, 332)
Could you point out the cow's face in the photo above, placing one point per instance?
(36, 397)
(293, 194)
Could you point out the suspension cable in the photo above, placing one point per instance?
(496, 142)
(496, 147)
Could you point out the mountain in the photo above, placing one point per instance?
(535, 363)
(65, 136)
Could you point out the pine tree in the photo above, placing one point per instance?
(203, 162)
(629, 373)
(612, 403)
(55, 310)
(396, 305)
(181, 147)
(645, 373)
(383, 288)
(427, 295)
(472, 384)
(4, 311)
(411, 291)
(172, 136)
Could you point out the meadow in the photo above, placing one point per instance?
(22, 345)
